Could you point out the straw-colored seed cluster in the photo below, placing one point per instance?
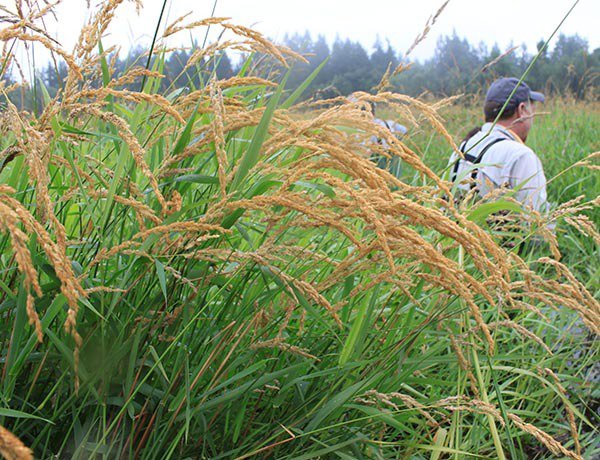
(11, 447)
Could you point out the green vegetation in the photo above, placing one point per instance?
(225, 275)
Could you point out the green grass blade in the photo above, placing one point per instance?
(251, 155)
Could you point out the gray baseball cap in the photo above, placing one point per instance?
(502, 88)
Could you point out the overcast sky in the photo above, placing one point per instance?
(399, 21)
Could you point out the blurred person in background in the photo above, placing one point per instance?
(391, 164)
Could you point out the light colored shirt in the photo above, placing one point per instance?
(393, 164)
(396, 128)
(508, 163)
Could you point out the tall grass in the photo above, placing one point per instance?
(210, 274)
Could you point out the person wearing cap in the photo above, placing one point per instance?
(495, 155)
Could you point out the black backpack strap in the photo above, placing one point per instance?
(473, 159)
(455, 168)
(477, 160)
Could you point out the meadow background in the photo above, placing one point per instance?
(218, 270)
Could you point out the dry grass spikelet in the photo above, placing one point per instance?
(156, 99)
(554, 293)
(384, 82)
(141, 210)
(178, 276)
(255, 40)
(521, 330)
(10, 222)
(175, 203)
(393, 100)
(383, 220)
(291, 283)
(216, 96)
(12, 32)
(428, 25)
(35, 145)
(370, 216)
(33, 317)
(95, 289)
(244, 81)
(457, 403)
(12, 448)
(91, 33)
(572, 206)
(575, 288)
(585, 226)
(280, 344)
(426, 110)
(175, 26)
(461, 403)
(296, 202)
(552, 444)
(587, 161)
(164, 230)
(408, 401)
(464, 364)
(432, 218)
(132, 74)
(132, 142)
(199, 54)
(498, 59)
(568, 410)
(232, 123)
(14, 213)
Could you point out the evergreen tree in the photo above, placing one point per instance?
(350, 66)
(382, 59)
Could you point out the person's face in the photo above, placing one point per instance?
(525, 119)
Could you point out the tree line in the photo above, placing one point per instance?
(456, 67)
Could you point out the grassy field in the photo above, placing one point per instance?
(211, 273)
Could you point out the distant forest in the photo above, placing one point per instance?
(456, 67)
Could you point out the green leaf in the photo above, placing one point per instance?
(67, 128)
(511, 446)
(186, 134)
(239, 421)
(88, 305)
(18, 414)
(251, 155)
(45, 96)
(482, 211)
(440, 439)
(323, 188)
(334, 403)
(245, 66)
(298, 91)
(198, 179)
(386, 417)
(160, 272)
(17, 334)
(159, 363)
(323, 453)
(103, 65)
(359, 328)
